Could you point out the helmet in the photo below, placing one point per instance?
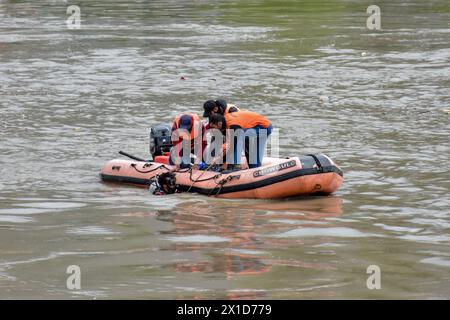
(209, 106)
(221, 103)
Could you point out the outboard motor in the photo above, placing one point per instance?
(160, 139)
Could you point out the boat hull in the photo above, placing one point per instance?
(277, 178)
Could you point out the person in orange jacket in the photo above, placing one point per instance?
(187, 127)
(242, 127)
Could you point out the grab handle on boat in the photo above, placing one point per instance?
(317, 161)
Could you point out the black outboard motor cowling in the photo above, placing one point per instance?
(160, 139)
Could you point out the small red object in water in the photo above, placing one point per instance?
(183, 78)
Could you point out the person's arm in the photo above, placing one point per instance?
(220, 154)
(228, 141)
(175, 142)
(204, 145)
(205, 129)
(174, 128)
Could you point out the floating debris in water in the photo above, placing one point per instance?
(446, 110)
(363, 54)
(324, 99)
(183, 78)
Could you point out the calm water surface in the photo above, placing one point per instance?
(70, 99)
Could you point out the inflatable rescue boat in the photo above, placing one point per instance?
(276, 178)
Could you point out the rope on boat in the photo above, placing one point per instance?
(198, 178)
(133, 165)
(222, 182)
(219, 184)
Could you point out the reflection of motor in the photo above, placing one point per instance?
(160, 139)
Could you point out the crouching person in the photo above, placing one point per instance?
(187, 138)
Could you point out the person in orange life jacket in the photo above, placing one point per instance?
(249, 127)
(219, 106)
(187, 127)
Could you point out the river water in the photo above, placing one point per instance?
(374, 101)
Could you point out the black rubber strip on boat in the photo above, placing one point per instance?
(236, 188)
(317, 161)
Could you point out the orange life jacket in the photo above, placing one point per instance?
(246, 120)
(196, 129)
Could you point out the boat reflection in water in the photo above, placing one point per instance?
(230, 239)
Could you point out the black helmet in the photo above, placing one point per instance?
(168, 182)
(222, 104)
(208, 106)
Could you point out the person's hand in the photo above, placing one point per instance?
(195, 167)
(176, 167)
(224, 166)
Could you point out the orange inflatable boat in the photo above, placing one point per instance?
(276, 178)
